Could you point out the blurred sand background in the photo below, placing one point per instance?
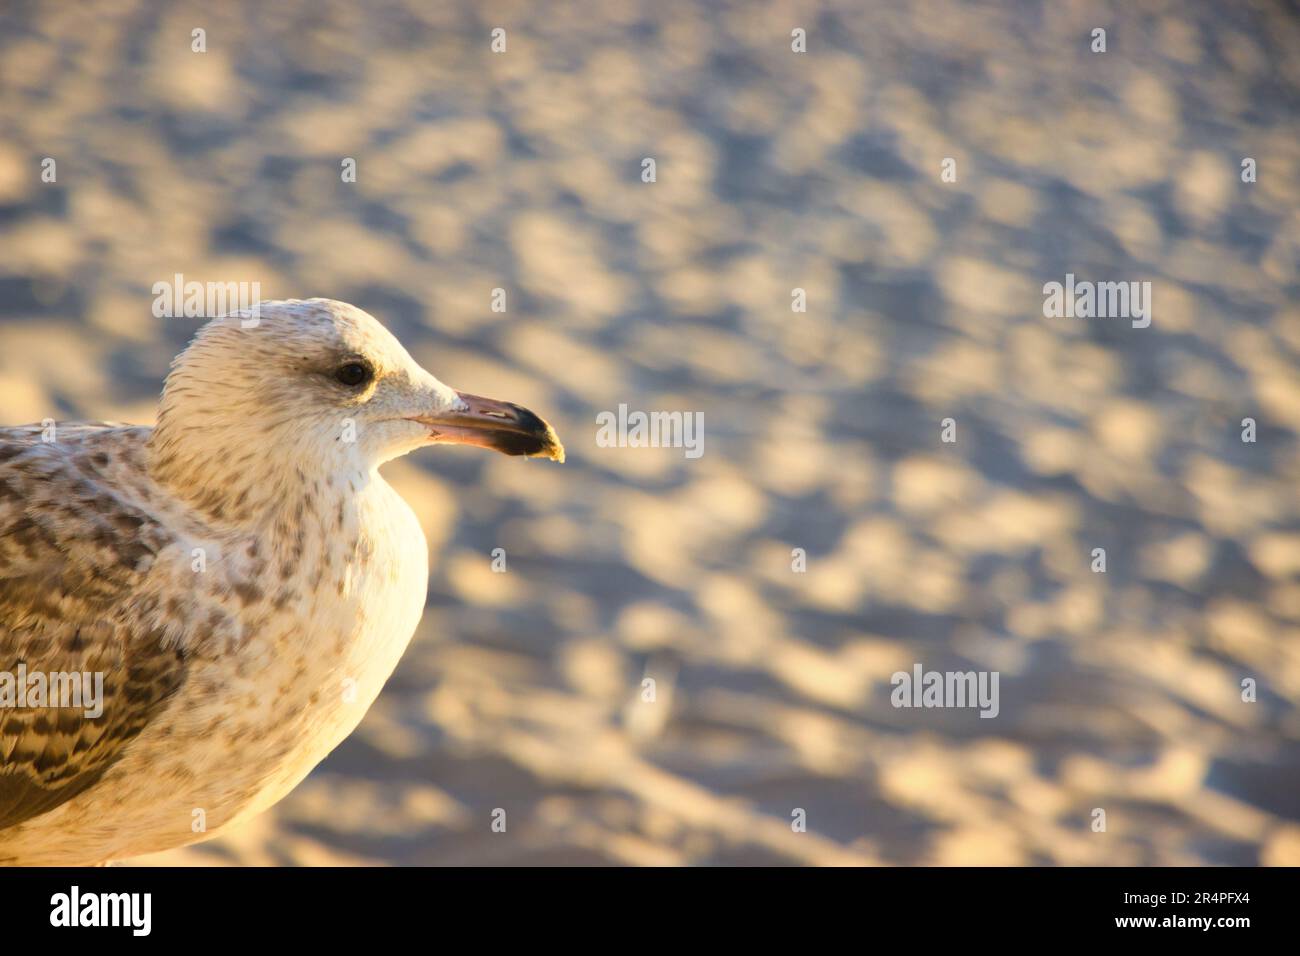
(521, 170)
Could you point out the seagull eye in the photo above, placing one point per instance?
(353, 374)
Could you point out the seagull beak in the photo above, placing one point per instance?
(488, 423)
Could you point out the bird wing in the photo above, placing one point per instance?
(74, 555)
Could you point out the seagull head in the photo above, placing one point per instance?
(301, 385)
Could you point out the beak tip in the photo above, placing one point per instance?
(551, 447)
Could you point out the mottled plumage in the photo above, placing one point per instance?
(240, 575)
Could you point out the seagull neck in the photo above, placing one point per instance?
(252, 489)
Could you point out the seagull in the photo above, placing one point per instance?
(193, 615)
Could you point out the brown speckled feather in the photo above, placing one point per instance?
(73, 554)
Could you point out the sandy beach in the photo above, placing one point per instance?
(823, 430)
